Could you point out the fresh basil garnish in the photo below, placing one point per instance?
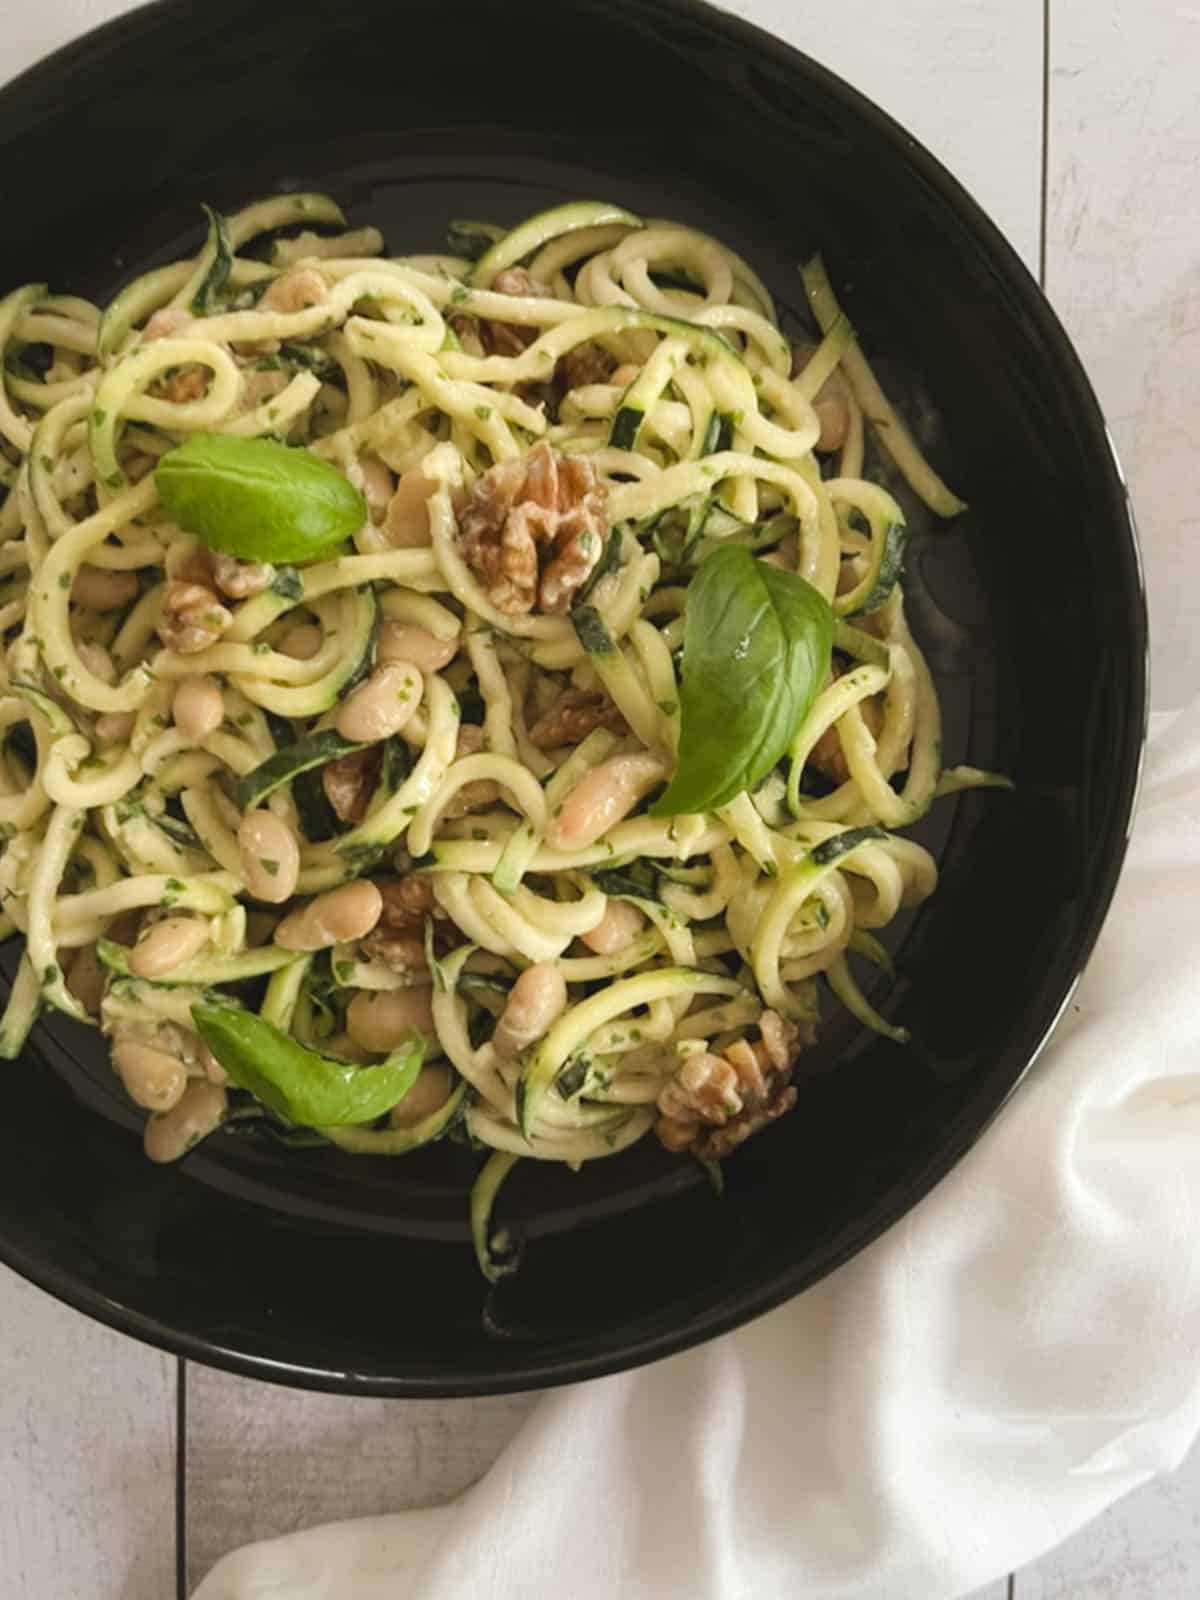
(757, 645)
(258, 500)
(298, 1084)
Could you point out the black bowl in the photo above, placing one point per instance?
(356, 1276)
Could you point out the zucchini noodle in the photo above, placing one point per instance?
(580, 981)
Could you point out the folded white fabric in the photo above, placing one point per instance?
(1017, 1354)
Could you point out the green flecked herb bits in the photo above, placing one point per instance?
(258, 500)
(757, 646)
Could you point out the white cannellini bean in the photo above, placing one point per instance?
(213, 1070)
(98, 589)
(152, 1078)
(86, 979)
(97, 660)
(428, 1094)
(378, 1020)
(380, 707)
(401, 641)
(115, 725)
(334, 918)
(302, 642)
(270, 856)
(167, 945)
(198, 1112)
(260, 386)
(407, 521)
(833, 413)
(198, 708)
(538, 999)
(601, 798)
(616, 930)
(378, 485)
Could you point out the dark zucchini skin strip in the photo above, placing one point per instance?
(626, 426)
(317, 750)
(215, 279)
(720, 434)
(842, 843)
(472, 239)
(591, 631)
(317, 816)
(572, 1078)
(891, 567)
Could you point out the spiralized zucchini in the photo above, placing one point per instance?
(655, 354)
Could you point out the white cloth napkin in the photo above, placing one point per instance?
(1018, 1353)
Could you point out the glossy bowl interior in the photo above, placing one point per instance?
(356, 1275)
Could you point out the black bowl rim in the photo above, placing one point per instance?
(151, 1330)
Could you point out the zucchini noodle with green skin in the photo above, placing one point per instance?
(409, 785)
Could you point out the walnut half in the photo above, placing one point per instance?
(497, 338)
(572, 717)
(350, 782)
(192, 617)
(714, 1103)
(533, 530)
(398, 938)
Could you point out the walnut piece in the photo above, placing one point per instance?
(180, 384)
(192, 617)
(543, 504)
(586, 364)
(572, 717)
(350, 782)
(236, 580)
(475, 796)
(240, 579)
(398, 938)
(168, 322)
(714, 1103)
(189, 383)
(509, 338)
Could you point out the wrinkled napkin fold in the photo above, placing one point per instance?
(1019, 1352)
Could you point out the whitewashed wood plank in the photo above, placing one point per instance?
(965, 79)
(1123, 269)
(31, 32)
(263, 1461)
(1146, 1548)
(87, 1443)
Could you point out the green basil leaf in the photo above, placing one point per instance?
(757, 644)
(258, 500)
(298, 1084)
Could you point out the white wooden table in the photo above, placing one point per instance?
(124, 1472)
